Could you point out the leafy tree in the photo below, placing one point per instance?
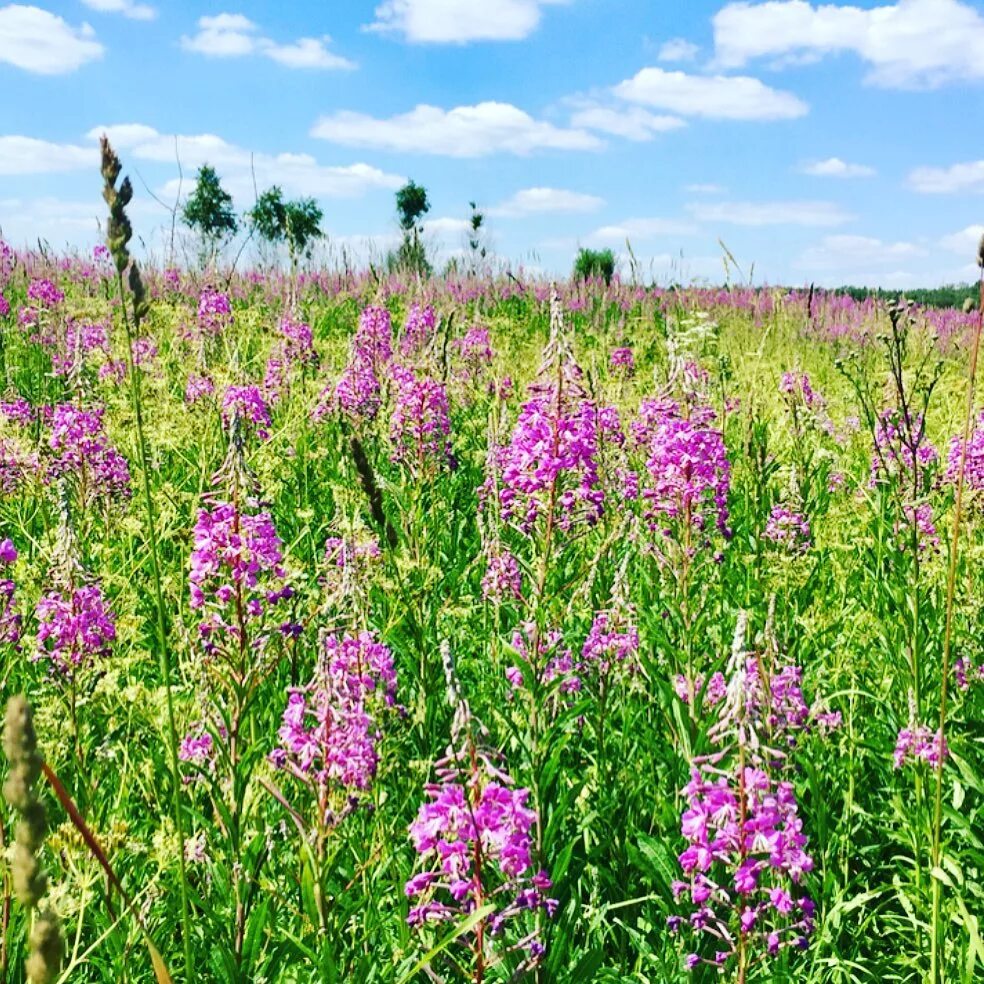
(594, 263)
(411, 206)
(475, 238)
(209, 212)
(296, 223)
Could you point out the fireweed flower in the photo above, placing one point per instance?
(746, 856)
(788, 529)
(420, 423)
(248, 405)
(214, 312)
(18, 411)
(622, 362)
(503, 578)
(902, 451)
(297, 342)
(688, 472)
(8, 260)
(714, 689)
(329, 734)
(418, 330)
(16, 467)
(548, 660)
(918, 743)
(144, 352)
(966, 673)
(553, 454)
(80, 448)
(974, 468)
(75, 627)
(237, 580)
(613, 641)
(919, 522)
(44, 293)
(4, 306)
(198, 388)
(472, 354)
(10, 620)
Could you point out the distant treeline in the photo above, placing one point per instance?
(952, 295)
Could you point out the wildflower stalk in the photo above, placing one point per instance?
(118, 234)
(936, 926)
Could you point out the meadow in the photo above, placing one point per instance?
(379, 628)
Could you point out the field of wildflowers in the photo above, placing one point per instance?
(382, 629)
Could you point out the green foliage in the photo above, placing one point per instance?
(411, 255)
(208, 211)
(295, 222)
(594, 263)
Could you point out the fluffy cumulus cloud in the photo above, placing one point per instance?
(135, 11)
(28, 155)
(640, 229)
(678, 50)
(236, 36)
(459, 21)
(911, 43)
(847, 252)
(39, 41)
(834, 167)
(796, 213)
(465, 131)
(297, 174)
(968, 177)
(538, 201)
(965, 242)
(629, 122)
(716, 97)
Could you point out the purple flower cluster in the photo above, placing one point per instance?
(797, 387)
(918, 743)
(612, 641)
(198, 388)
(44, 293)
(901, 448)
(246, 403)
(473, 836)
(236, 573)
(8, 260)
(329, 735)
(297, 343)
(15, 467)
(966, 673)
(81, 448)
(10, 620)
(214, 312)
(974, 468)
(552, 458)
(418, 330)
(622, 362)
(473, 353)
(420, 423)
(4, 306)
(689, 474)
(503, 578)
(714, 691)
(144, 351)
(745, 845)
(75, 626)
(789, 529)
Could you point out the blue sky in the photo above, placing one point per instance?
(831, 143)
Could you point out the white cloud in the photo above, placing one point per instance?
(135, 11)
(802, 213)
(39, 41)
(640, 229)
(26, 155)
(720, 97)
(851, 252)
(446, 225)
(678, 50)
(465, 131)
(834, 167)
(297, 174)
(705, 189)
(947, 180)
(965, 242)
(908, 43)
(536, 201)
(459, 21)
(236, 36)
(632, 123)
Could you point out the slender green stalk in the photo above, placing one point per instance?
(163, 651)
(937, 973)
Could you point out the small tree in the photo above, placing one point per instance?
(476, 241)
(411, 206)
(296, 223)
(594, 263)
(208, 212)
